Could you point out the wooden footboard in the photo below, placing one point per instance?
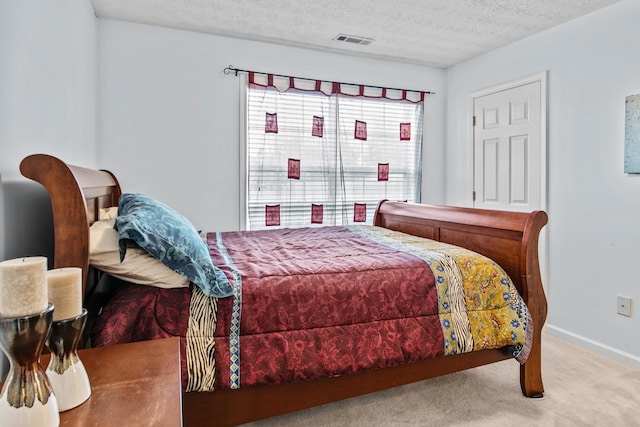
(509, 238)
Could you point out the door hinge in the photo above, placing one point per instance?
(473, 195)
(473, 120)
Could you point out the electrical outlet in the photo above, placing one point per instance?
(624, 306)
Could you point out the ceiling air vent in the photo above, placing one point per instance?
(353, 39)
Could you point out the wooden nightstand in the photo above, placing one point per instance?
(135, 384)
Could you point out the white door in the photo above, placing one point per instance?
(507, 148)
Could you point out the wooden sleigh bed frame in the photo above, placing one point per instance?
(509, 238)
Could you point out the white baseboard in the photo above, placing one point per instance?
(595, 346)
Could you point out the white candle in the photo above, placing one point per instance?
(65, 292)
(23, 286)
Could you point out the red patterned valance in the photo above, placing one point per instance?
(284, 83)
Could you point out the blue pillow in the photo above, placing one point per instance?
(172, 239)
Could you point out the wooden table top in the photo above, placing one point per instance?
(136, 384)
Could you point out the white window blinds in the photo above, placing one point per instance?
(314, 159)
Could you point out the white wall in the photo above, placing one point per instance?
(48, 104)
(47, 100)
(169, 117)
(593, 206)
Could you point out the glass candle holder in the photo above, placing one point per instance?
(65, 370)
(27, 397)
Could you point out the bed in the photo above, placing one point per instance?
(508, 239)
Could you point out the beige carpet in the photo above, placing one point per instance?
(582, 389)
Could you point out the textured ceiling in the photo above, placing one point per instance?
(438, 33)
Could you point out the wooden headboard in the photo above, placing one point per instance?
(77, 195)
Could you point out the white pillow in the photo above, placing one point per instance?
(108, 213)
(138, 266)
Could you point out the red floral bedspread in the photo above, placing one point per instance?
(141, 313)
(315, 302)
(321, 302)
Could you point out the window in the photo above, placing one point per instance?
(314, 159)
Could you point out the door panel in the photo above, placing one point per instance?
(519, 171)
(490, 179)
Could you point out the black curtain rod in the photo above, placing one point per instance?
(231, 69)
